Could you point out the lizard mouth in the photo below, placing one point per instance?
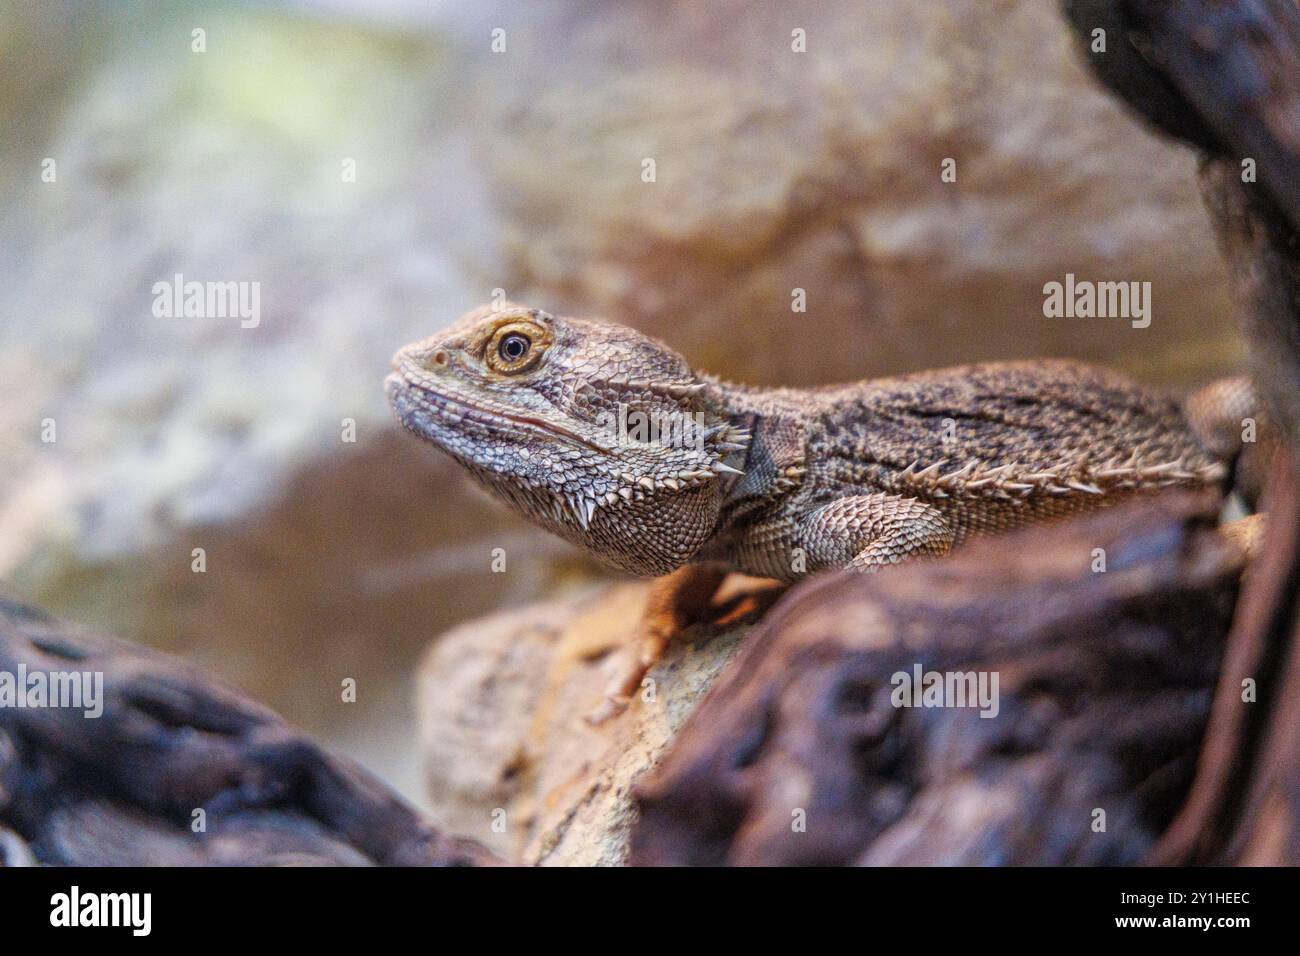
(439, 402)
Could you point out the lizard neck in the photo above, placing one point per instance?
(773, 464)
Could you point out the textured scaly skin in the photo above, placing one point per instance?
(783, 482)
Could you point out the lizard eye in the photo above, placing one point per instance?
(514, 347)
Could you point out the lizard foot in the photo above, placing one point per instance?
(627, 680)
(611, 706)
(674, 603)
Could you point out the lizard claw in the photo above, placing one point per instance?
(612, 706)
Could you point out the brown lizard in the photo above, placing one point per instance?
(610, 440)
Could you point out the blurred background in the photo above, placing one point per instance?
(518, 170)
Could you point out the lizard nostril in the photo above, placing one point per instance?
(440, 357)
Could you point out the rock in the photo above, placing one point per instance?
(777, 170)
(155, 764)
(502, 702)
(801, 754)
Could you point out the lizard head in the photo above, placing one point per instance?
(598, 433)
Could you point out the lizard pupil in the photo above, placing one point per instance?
(514, 347)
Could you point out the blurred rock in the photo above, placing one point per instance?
(502, 702)
(778, 170)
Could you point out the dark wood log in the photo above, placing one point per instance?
(1105, 684)
(1245, 804)
(1225, 77)
(1222, 75)
(123, 787)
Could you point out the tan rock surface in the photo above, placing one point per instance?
(502, 701)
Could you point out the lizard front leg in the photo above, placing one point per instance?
(675, 602)
(865, 532)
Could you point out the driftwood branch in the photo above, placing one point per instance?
(1225, 77)
(1105, 682)
(1222, 76)
(124, 787)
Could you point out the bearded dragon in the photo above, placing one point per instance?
(782, 482)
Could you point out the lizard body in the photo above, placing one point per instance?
(781, 482)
